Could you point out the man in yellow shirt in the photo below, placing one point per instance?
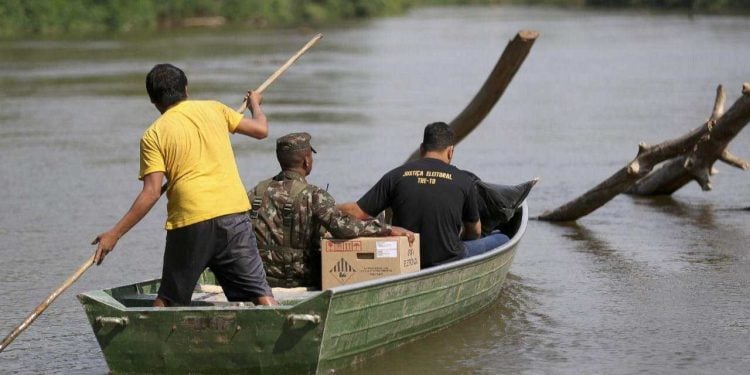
(207, 222)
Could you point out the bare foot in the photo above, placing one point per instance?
(266, 301)
(159, 302)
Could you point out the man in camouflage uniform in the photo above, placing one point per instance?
(289, 216)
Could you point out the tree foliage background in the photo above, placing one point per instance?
(54, 17)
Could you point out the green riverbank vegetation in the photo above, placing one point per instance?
(84, 17)
(53, 17)
(704, 6)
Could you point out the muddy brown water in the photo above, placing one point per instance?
(639, 286)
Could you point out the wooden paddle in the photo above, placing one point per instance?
(270, 80)
(89, 262)
(43, 306)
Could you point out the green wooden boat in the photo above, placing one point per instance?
(312, 332)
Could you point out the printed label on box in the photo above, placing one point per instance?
(342, 270)
(378, 271)
(386, 249)
(343, 246)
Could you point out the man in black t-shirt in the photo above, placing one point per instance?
(431, 197)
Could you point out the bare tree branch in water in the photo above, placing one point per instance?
(698, 164)
(510, 61)
(688, 158)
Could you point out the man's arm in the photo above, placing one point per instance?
(375, 200)
(257, 126)
(472, 228)
(353, 209)
(398, 232)
(141, 206)
(345, 225)
(472, 231)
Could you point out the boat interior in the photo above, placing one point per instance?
(208, 293)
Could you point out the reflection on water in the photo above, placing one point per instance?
(701, 216)
(652, 285)
(717, 250)
(606, 258)
(513, 327)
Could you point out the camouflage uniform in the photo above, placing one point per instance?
(289, 216)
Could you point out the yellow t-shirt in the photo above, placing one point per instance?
(190, 144)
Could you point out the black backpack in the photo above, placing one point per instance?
(498, 203)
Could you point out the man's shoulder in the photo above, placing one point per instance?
(411, 164)
(201, 102)
(457, 175)
(152, 130)
(272, 185)
(462, 173)
(462, 177)
(268, 187)
(316, 197)
(192, 106)
(434, 165)
(267, 183)
(316, 192)
(176, 114)
(399, 170)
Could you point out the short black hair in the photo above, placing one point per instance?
(437, 137)
(166, 84)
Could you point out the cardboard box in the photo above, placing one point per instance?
(366, 258)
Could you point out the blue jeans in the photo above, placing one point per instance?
(485, 244)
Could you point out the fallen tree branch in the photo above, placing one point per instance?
(692, 157)
(698, 164)
(735, 161)
(510, 61)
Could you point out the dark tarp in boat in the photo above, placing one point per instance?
(498, 203)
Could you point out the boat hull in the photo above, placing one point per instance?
(365, 322)
(207, 339)
(311, 333)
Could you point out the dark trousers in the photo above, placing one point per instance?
(226, 245)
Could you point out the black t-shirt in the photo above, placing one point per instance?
(431, 198)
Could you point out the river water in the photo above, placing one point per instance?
(639, 286)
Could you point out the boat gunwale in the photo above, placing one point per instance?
(94, 295)
(451, 266)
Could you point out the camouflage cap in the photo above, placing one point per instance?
(294, 142)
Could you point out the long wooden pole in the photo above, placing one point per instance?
(85, 266)
(270, 80)
(282, 69)
(43, 306)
